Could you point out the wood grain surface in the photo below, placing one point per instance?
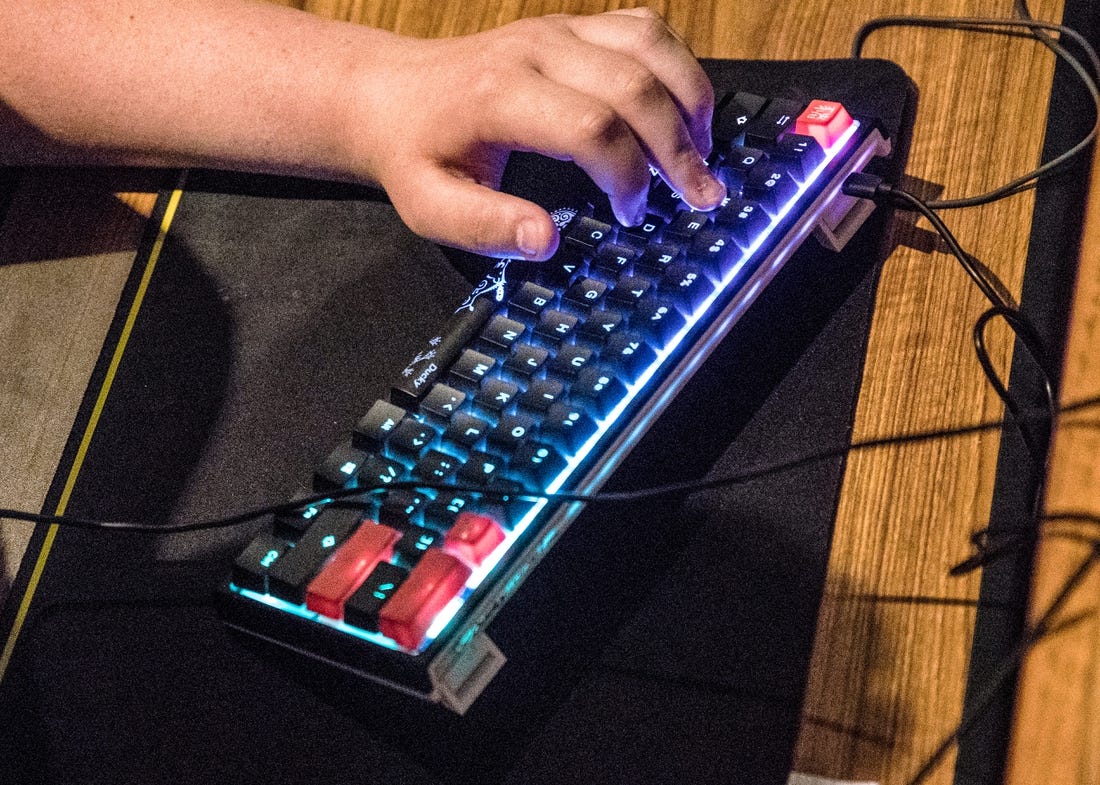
(1057, 732)
(888, 675)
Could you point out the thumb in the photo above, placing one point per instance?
(444, 207)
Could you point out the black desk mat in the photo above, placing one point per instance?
(664, 642)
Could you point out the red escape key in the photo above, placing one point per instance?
(825, 121)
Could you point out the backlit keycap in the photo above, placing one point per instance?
(434, 582)
(348, 567)
(473, 537)
(825, 121)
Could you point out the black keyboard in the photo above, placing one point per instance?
(541, 382)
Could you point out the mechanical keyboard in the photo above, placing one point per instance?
(541, 382)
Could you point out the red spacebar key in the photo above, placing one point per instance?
(433, 582)
(825, 121)
(348, 567)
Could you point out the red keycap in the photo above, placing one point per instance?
(825, 121)
(348, 567)
(433, 582)
(473, 537)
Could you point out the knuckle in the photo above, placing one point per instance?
(652, 32)
(600, 126)
(489, 83)
(638, 85)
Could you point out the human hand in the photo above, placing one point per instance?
(435, 120)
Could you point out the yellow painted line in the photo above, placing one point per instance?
(89, 430)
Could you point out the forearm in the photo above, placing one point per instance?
(235, 83)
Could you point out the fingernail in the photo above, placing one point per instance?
(527, 236)
(711, 189)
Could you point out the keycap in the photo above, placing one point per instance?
(825, 121)
(340, 468)
(435, 581)
(774, 120)
(432, 361)
(376, 425)
(250, 568)
(362, 607)
(289, 574)
(734, 115)
(347, 568)
(473, 537)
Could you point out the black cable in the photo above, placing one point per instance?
(1010, 27)
(347, 496)
(1007, 666)
(868, 186)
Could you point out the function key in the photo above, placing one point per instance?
(436, 580)
(348, 567)
(825, 121)
(372, 429)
